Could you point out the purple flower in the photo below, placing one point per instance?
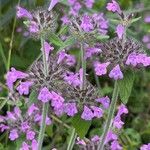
(71, 2)
(87, 114)
(97, 112)
(56, 100)
(32, 109)
(52, 4)
(70, 60)
(120, 30)
(70, 109)
(117, 122)
(72, 79)
(17, 111)
(48, 48)
(114, 7)
(80, 142)
(44, 95)
(30, 135)
(115, 145)
(110, 136)
(147, 19)
(21, 12)
(146, 39)
(101, 68)
(13, 135)
(132, 59)
(25, 146)
(91, 51)
(3, 127)
(116, 73)
(59, 111)
(61, 57)
(24, 87)
(11, 116)
(86, 23)
(145, 147)
(34, 145)
(12, 76)
(96, 138)
(33, 27)
(65, 20)
(48, 121)
(105, 101)
(25, 126)
(122, 110)
(89, 3)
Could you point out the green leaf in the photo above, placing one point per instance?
(135, 19)
(55, 40)
(101, 37)
(125, 85)
(32, 98)
(3, 56)
(63, 30)
(81, 126)
(70, 41)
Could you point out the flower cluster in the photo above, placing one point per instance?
(111, 141)
(20, 123)
(145, 147)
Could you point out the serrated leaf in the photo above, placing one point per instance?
(55, 40)
(125, 86)
(81, 126)
(32, 98)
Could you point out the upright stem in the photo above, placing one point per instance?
(45, 105)
(83, 61)
(110, 116)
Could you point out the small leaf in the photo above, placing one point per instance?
(125, 86)
(32, 98)
(101, 37)
(81, 126)
(135, 19)
(55, 40)
(70, 41)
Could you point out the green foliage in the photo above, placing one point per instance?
(81, 126)
(125, 86)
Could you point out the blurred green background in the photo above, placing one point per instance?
(25, 50)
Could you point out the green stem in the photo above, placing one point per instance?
(110, 116)
(83, 61)
(45, 105)
(72, 139)
(43, 126)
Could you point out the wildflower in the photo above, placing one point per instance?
(105, 101)
(122, 110)
(22, 12)
(44, 95)
(47, 48)
(90, 51)
(52, 4)
(145, 147)
(25, 146)
(11, 116)
(120, 30)
(12, 76)
(3, 127)
(70, 109)
(23, 88)
(110, 136)
(117, 122)
(34, 144)
(115, 145)
(86, 23)
(13, 135)
(17, 111)
(80, 141)
(65, 20)
(89, 3)
(30, 135)
(147, 19)
(97, 112)
(56, 100)
(33, 27)
(32, 109)
(101, 68)
(95, 138)
(25, 126)
(114, 7)
(116, 73)
(87, 114)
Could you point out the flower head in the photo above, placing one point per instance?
(13, 135)
(120, 30)
(87, 114)
(70, 109)
(30, 135)
(52, 4)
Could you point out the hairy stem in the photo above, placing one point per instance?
(72, 139)
(110, 116)
(83, 61)
(45, 105)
